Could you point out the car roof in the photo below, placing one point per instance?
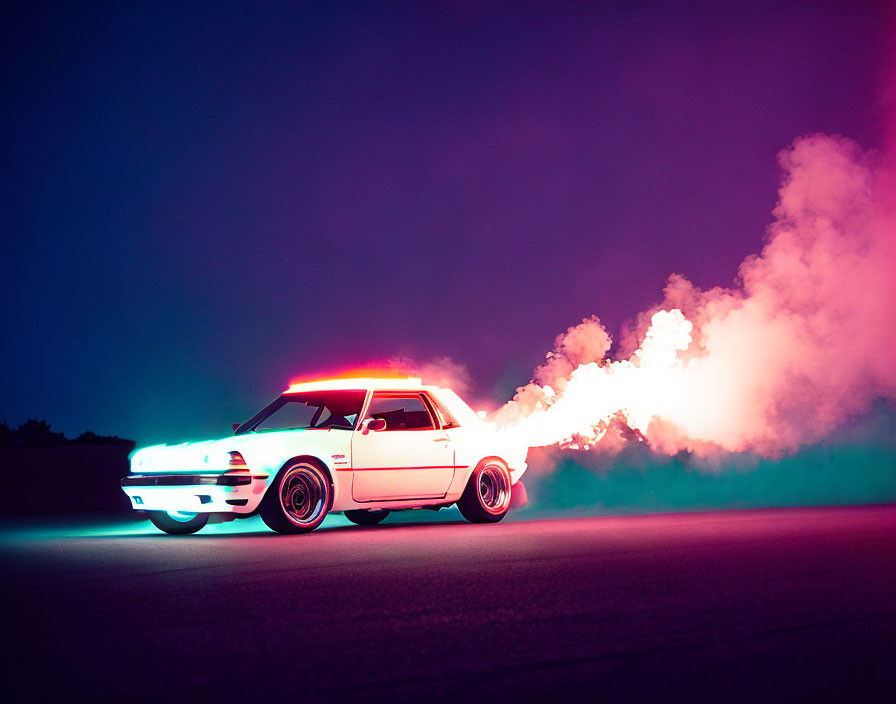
(361, 383)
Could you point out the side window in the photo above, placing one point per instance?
(445, 418)
(400, 412)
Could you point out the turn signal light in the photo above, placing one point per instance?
(237, 461)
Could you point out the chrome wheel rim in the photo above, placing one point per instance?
(494, 489)
(303, 494)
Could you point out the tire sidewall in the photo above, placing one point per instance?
(166, 524)
(272, 510)
(365, 517)
(470, 503)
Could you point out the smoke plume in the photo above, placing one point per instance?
(803, 340)
(442, 371)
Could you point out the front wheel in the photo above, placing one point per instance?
(298, 500)
(487, 496)
(367, 517)
(178, 522)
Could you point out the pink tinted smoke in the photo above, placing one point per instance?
(803, 341)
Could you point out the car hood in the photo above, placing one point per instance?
(211, 455)
(260, 450)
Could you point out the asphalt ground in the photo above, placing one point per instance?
(761, 605)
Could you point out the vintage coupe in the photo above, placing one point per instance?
(361, 446)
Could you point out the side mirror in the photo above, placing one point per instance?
(374, 424)
(235, 426)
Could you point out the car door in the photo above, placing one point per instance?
(412, 458)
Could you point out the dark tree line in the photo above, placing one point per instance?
(37, 433)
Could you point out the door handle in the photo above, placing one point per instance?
(444, 439)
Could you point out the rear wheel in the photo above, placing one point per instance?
(298, 500)
(178, 522)
(367, 517)
(487, 496)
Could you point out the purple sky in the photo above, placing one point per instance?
(203, 203)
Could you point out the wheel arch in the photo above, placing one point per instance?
(484, 461)
(490, 458)
(513, 467)
(471, 503)
(313, 460)
(468, 468)
(518, 495)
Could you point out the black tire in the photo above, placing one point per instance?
(299, 498)
(487, 496)
(367, 517)
(179, 524)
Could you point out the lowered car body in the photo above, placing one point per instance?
(360, 446)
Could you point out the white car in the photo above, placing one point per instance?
(361, 446)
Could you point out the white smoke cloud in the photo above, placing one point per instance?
(442, 371)
(805, 339)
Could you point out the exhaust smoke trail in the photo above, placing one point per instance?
(804, 340)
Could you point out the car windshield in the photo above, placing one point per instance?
(306, 411)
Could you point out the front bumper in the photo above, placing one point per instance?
(231, 492)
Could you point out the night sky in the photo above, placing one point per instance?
(203, 202)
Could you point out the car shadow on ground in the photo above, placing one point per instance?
(140, 530)
(118, 527)
(326, 530)
(396, 525)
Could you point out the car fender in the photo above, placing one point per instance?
(269, 452)
(474, 444)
